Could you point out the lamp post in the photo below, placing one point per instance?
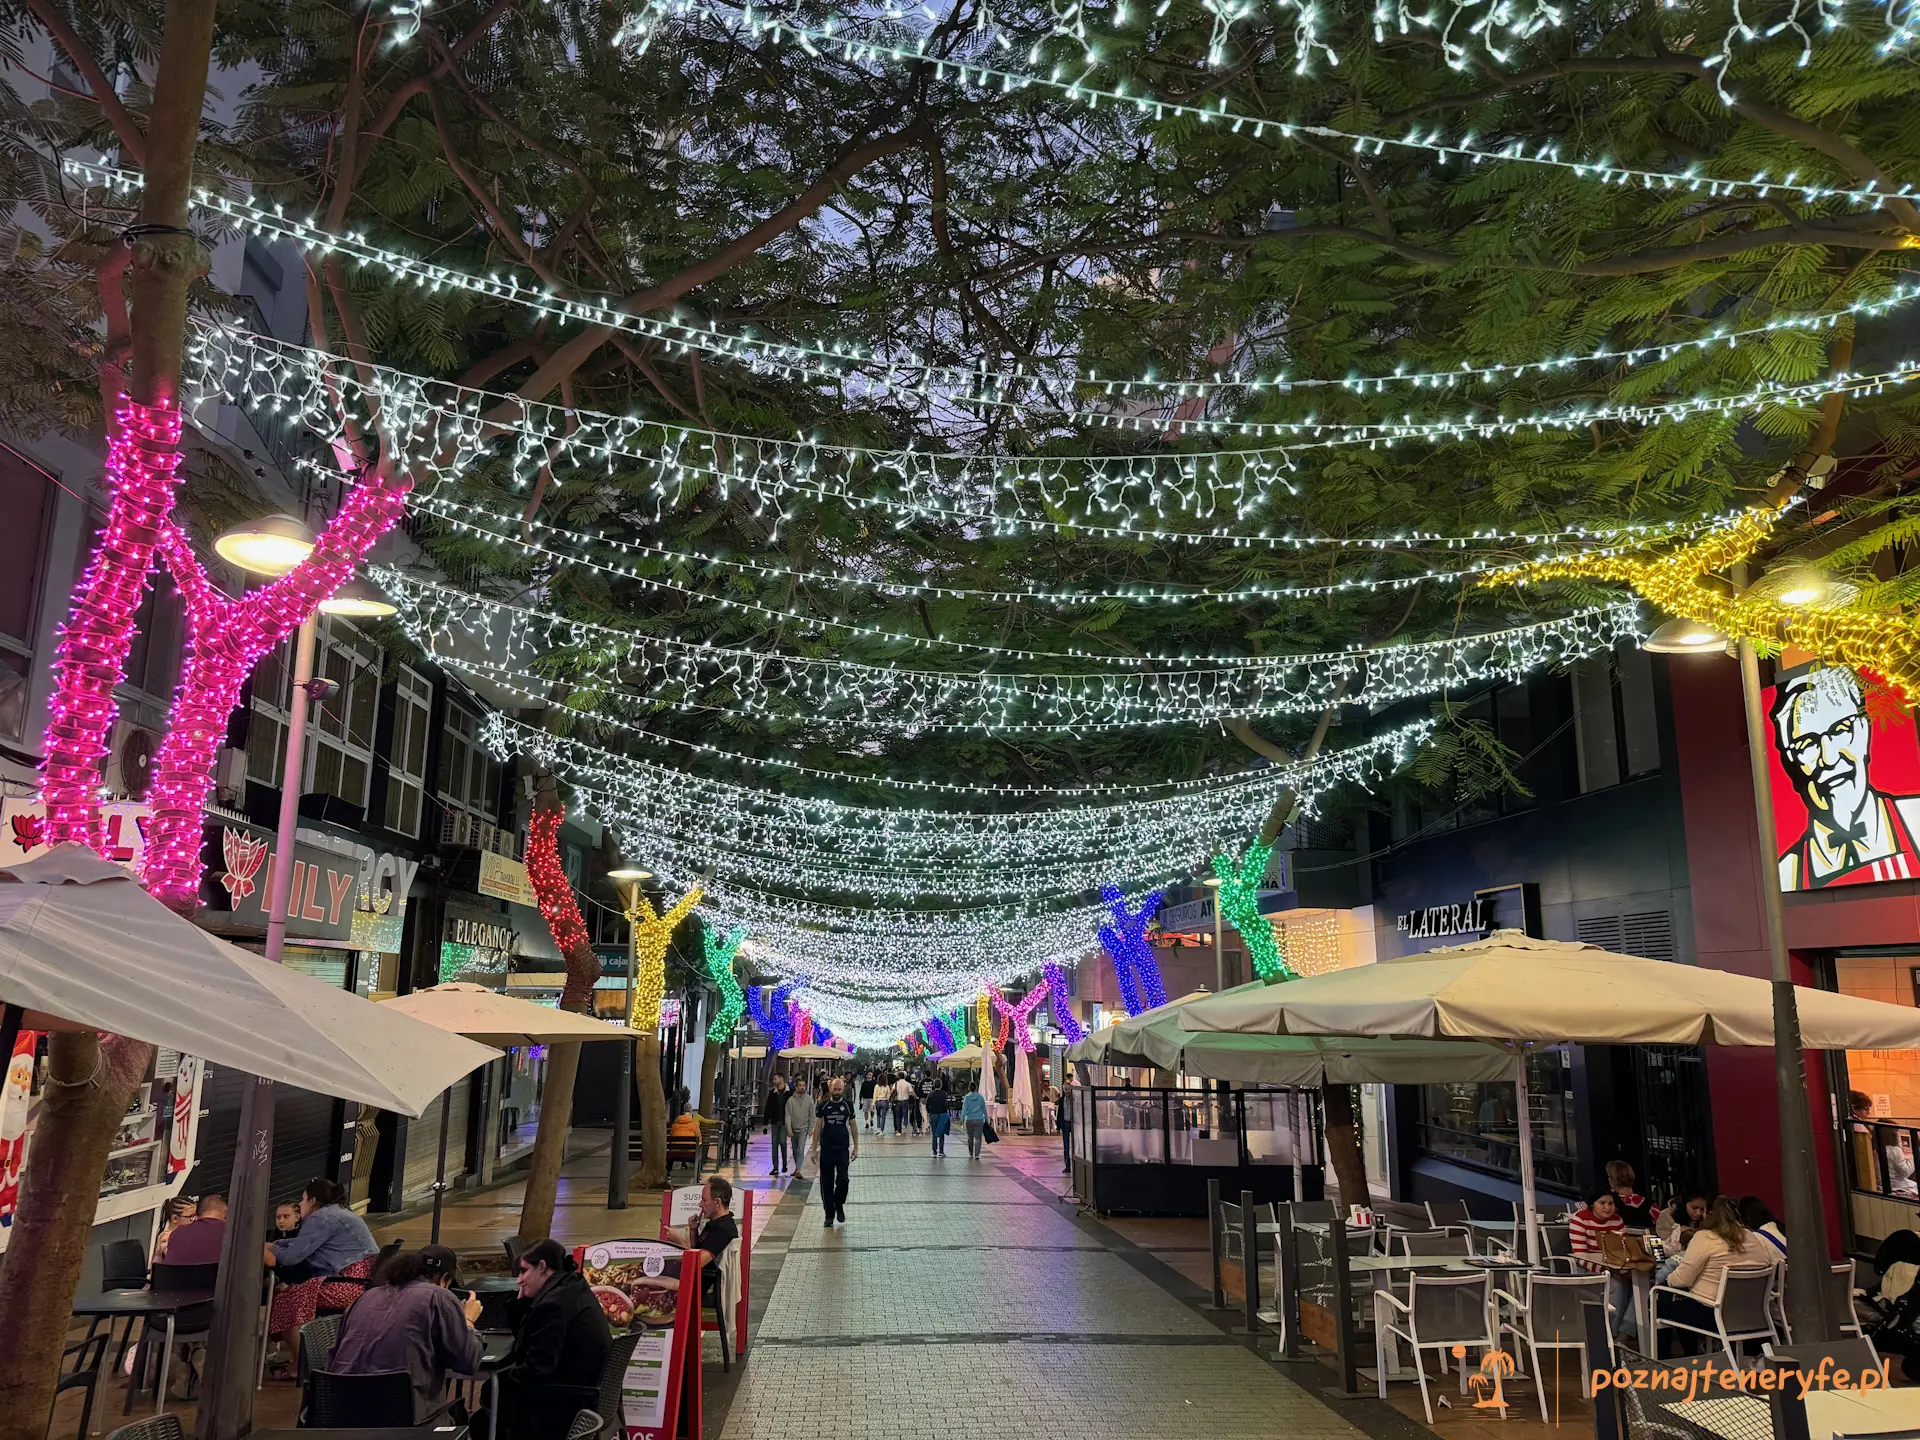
(1806, 1300)
(1212, 882)
(271, 547)
(629, 880)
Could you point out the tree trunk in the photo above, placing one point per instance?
(90, 1082)
(653, 1116)
(549, 1143)
(1037, 1121)
(562, 914)
(144, 441)
(709, 1068)
(1343, 1145)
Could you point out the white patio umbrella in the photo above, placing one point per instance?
(967, 1057)
(812, 1052)
(1306, 1062)
(486, 1015)
(1518, 992)
(84, 947)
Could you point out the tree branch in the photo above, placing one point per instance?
(132, 138)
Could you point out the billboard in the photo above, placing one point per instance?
(1844, 757)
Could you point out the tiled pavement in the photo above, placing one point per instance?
(958, 1283)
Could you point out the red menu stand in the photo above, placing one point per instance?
(661, 1396)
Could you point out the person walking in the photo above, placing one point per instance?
(1063, 1116)
(866, 1099)
(938, 1120)
(775, 1114)
(800, 1110)
(913, 1109)
(836, 1140)
(973, 1112)
(902, 1097)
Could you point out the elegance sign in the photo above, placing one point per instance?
(1467, 919)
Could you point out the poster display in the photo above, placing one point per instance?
(1844, 766)
(638, 1282)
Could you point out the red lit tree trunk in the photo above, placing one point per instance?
(562, 913)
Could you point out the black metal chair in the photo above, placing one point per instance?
(190, 1326)
(586, 1423)
(123, 1265)
(89, 1359)
(154, 1427)
(613, 1379)
(383, 1400)
(513, 1248)
(318, 1340)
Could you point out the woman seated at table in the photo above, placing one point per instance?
(180, 1212)
(1720, 1242)
(410, 1321)
(332, 1241)
(1601, 1216)
(1676, 1223)
(560, 1344)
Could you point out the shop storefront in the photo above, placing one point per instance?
(346, 919)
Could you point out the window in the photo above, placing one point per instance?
(339, 757)
(1475, 1124)
(153, 661)
(26, 494)
(340, 762)
(407, 777)
(1616, 736)
(469, 776)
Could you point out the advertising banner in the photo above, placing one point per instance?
(1844, 760)
(641, 1282)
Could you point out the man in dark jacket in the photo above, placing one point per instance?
(560, 1344)
(775, 1115)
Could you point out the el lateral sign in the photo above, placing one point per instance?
(1435, 920)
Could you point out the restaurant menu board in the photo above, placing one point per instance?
(638, 1283)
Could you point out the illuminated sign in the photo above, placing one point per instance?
(1467, 919)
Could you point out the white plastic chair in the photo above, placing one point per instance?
(1742, 1311)
(1546, 1316)
(1440, 1312)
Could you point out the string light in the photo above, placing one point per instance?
(983, 1018)
(453, 625)
(1124, 938)
(440, 429)
(1312, 941)
(1237, 898)
(652, 934)
(227, 636)
(510, 532)
(143, 454)
(1683, 583)
(1063, 1017)
(719, 951)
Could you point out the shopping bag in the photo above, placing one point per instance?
(990, 1135)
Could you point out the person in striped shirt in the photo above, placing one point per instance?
(1601, 1216)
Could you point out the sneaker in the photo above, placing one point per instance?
(829, 1224)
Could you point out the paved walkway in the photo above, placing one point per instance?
(967, 1288)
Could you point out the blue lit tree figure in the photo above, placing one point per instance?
(775, 1016)
(1125, 941)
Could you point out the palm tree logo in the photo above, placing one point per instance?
(1496, 1366)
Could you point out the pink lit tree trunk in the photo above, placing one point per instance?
(92, 1077)
(227, 637)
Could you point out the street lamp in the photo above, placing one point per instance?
(1212, 882)
(628, 878)
(1684, 637)
(271, 547)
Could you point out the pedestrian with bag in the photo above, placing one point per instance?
(836, 1140)
(973, 1113)
(775, 1114)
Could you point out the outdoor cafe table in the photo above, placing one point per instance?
(149, 1305)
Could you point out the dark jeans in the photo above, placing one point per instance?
(1685, 1309)
(1066, 1145)
(942, 1124)
(833, 1182)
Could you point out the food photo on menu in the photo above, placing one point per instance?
(636, 1282)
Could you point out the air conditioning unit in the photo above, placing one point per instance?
(130, 760)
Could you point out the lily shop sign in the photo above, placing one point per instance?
(1467, 919)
